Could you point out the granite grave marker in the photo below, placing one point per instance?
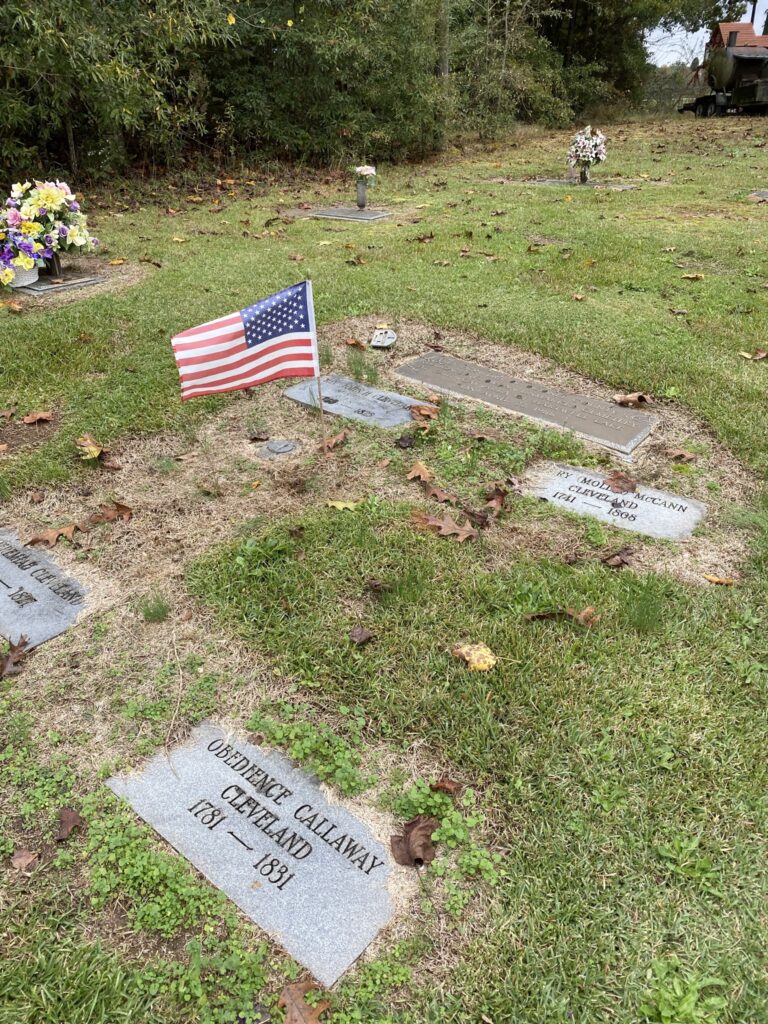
(260, 829)
(612, 426)
(356, 401)
(646, 510)
(37, 600)
(49, 285)
(276, 449)
(351, 213)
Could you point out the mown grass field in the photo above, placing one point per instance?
(618, 770)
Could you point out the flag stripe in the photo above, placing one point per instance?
(288, 370)
(213, 325)
(223, 334)
(224, 353)
(246, 363)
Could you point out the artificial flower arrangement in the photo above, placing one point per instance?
(38, 222)
(366, 178)
(587, 148)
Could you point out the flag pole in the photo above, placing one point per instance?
(313, 328)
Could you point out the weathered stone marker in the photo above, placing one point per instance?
(276, 449)
(350, 213)
(48, 285)
(36, 599)
(575, 183)
(584, 491)
(356, 401)
(305, 870)
(612, 426)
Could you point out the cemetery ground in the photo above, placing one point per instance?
(601, 852)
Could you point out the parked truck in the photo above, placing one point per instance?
(738, 79)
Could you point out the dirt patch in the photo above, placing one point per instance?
(16, 434)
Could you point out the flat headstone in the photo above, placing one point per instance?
(305, 870)
(48, 285)
(356, 401)
(575, 183)
(37, 600)
(276, 449)
(760, 194)
(350, 213)
(646, 510)
(612, 426)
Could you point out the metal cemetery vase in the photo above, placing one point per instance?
(362, 195)
(22, 278)
(53, 266)
(584, 174)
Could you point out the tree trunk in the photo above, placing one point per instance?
(444, 38)
(71, 145)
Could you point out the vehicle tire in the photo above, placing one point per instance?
(700, 110)
(711, 109)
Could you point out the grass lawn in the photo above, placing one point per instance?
(607, 860)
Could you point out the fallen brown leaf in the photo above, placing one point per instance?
(298, 1010)
(10, 662)
(355, 343)
(36, 497)
(296, 258)
(635, 400)
(383, 463)
(11, 306)
(586, 617)
(444, 526)
(333, 442)
(494, 498)
(577, 297)
(9, 413)
(445, 785)
(423, 412)
(477, 657)
(3, 449)
(436, 494)
(110, 513)
(116, 263)
(24, 860)
(419, 471)
(377, 586)
(69, 820)
(620, 483)
(693, 277)
(50, 537)
(360, 635)
(678, 312)
(618, 559)
(680, 455)
(89, 447)
(719, 581)
(414, 848)
(405, 441)
(37, 417)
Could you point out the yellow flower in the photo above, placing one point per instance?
(29, 211)
(29, 227)
(289, 23)
(23, 261)
(231, 19)
(49, 197)
(6, 275)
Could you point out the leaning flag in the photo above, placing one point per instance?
(273, 338)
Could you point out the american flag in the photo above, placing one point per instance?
(273, 338)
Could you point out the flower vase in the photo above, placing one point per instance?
(584, 174)
(23, 278)
(362, 195)
(52, 266)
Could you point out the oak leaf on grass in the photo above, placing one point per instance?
(344, 506)
(297, 1009)
(10, 662)
(51, 537)
(419, 471)
(37, 417)
(361, 636)
(69, 820)
(444, 526)
(719, 581)
(24, 860)
(415, 848)
(335, 440)
(477, 657)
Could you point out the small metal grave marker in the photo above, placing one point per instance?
(36, 599)
(610, 425)
(356, 401)
(760, 194)
(275, 449)
(48, 285)
(646, 510)
(383, 337)
(350, 213)
(261, 830)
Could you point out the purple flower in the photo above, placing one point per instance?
(63, 230)
(43, 212)
(12, 202)
(74, 206)
(48, 239)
